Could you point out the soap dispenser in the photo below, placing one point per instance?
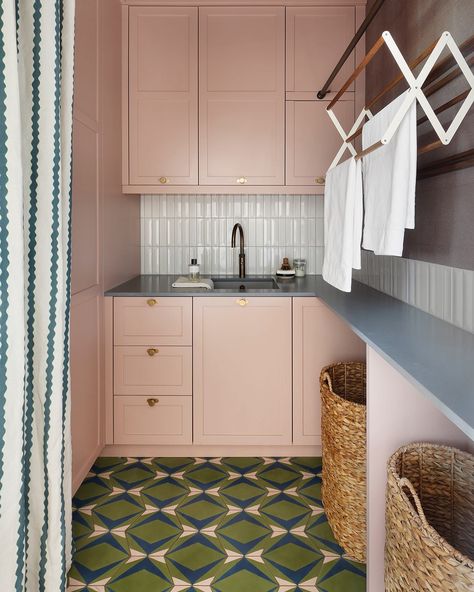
(194, 270)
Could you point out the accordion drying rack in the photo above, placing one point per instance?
(432, 77)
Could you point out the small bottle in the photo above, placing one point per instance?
(193, 270)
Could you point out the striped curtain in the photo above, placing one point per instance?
(36, 77)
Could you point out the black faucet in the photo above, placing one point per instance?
(238, 227)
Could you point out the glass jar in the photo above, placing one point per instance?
(300, 267)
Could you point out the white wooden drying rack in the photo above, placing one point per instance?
(414, 93)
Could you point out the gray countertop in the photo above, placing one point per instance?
(434, 355)
(161, 285)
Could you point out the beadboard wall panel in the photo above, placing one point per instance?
(445, 292)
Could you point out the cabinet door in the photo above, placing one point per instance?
(312, 141)
(315, 37)
(163, 95)
(242, 370)
(241, 85)
(320, 338)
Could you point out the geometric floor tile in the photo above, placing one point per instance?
(164, 492)
(195, 558)
(295, 558)
(206, 476)
(286, 510)
(243, 492)
(243, 524)
(244, 532)
(201, 511)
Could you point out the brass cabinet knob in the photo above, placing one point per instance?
(151, 351)
(152, 402)
(242, 301)
(152, 302)
(320, 180)
(164, 180)
(242, 180)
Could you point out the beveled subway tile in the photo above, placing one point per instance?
(177, 222)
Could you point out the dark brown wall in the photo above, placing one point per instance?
(444, 230)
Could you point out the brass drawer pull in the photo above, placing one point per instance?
(152, 302)
(242, 302)
(242, 180)
(151, 351)
(164, 180)
(152, 402)
(320, 180)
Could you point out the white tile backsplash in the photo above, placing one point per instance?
(175, 228)
(445, 292)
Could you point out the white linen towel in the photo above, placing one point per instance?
(342, 223)
(185, 282)
(389, 179)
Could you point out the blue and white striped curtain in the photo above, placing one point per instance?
(36, 80)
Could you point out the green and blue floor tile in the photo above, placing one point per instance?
(206, 525)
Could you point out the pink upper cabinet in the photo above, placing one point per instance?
(163, 129)
(312, 140)
(316, 36)
(241, 86)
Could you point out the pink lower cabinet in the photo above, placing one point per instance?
(140, 370)
(145, 321)
(320, 338)
(242, 370)
(152, 420)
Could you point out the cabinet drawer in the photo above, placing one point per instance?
(153, 370)
(157, 321)
(167, 421)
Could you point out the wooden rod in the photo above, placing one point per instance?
(354, 41)
(369, 150)
(434, 87)
(454, 101)
(354, 135)
(429, 147)
(455, 162)
(388, 87)
(452, 159)
(368, 58)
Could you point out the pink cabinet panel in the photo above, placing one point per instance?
(242, 370)
(320, 337)
(162, 72)
(241, 89)
(312, 140)
(153, 321)
(167, 421)
(140, 370)
(315, 37)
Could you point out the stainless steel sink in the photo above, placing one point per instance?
(248, 284)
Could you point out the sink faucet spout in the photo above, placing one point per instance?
(238, 227)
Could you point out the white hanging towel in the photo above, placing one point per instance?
(342, 223)
(389, 178)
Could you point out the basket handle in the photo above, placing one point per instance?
(404, 482)
(327, 380)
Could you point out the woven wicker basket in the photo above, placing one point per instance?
(430, 520)
(344, 454)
